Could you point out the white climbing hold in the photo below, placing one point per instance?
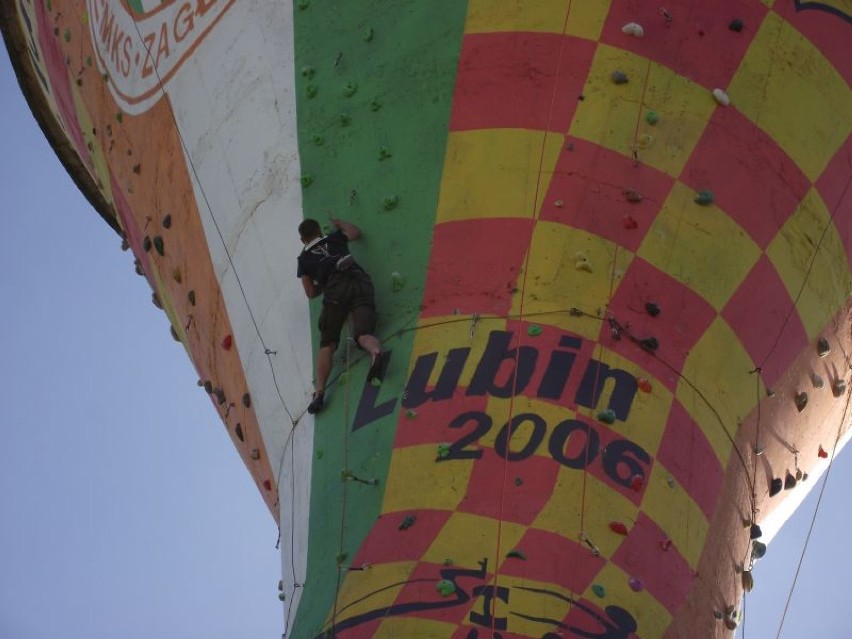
(721, 97)
(631, 28)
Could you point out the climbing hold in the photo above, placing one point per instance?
(167, 222)
(518, 481)
(649, 344)
(644, 385)
(633, 196)
(267, 484)
(176, 275)
(838, 388)
(799, 475)
(390, 202)
(534, 330)
(350, 88)
(443, 451)
(822, 453)
(636, 585)
(246, 400)
(345, 119)
(367, 36)
(736, 25)
(516, 554)
(670, 481)
(721, 97)
(227, 342)
(191, 297)
(652, 308)
(341, 557)
(306, 180)
(758, 549)
(239, 431)
(644, 140)
(384, 154)
(775, 486)
(618, 528)
(559, 204)
(704, 198)
(407, 522)
(652, 117)
(582, 263)
(397, 281)
(254, 454)
(311, 91)
(320, 453)
(375, 105)
(282, 596)
(599, 591)
(755, 532)
(817, 381)
(304, 4)
(606, 416)
(789, 481)
(137, 169)
(665, 544)
(146, 244)
(158, 244)
(619, 77)
(823, 348)
(208, 386)
(718, 614)
(220, 395)
(730, 623)
(307, 72)
(636, 482)
(629, 222)
(175, 336)
(411, 413)
(155, 300)
(319, 140)
(748, 580)
(631, 28)
(446, 587)
(801, 401)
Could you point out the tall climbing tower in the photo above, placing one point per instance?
(611, 243)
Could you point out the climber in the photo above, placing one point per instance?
(326, 268)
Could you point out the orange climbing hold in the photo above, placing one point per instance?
(644, 385)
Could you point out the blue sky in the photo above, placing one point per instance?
(124, 509)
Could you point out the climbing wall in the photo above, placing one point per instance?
(611, 245)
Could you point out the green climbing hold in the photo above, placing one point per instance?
(443, 451)
(307, 72)
(384, 154)
(311, 91)
(704, 198)
(119, 117)
(67, 35)
(345, 119)
(368, 34)
(652, 117)
(390, 202)
(600, 591)
(88, 61)
(304, 4)
(606, 416)
(282, 596)
(375, 105)
(350, 89)
(518, 481)
(397, 281)
(307, 180)
(516, 554)
(411, 413)
(534, 330)
(320, 453)
(319, 140)
(445, 587)
(341, 558)
(407, 522)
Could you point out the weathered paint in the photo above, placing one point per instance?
(493, 163)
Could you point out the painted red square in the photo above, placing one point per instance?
(588, 187)
(519, 80)
(665, 574)
(835, 188)
(751, 178)
(762, 315)
(552, 559)
(386, 543)
(689, 458)
(430, 423)
(474, 266)
(683, 318)
(828, 31)
(491, 491)
(697, 34)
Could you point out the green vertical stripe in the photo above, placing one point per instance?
(374, 82)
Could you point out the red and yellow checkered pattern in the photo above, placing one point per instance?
(543, 146)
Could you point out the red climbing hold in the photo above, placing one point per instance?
(822, 452)
(227, 342)
(665, 544)
(637, 482)
(267, 484)
(644, 385)
(629, 222)
(618, 528)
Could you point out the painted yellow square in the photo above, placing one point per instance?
(567, 268)
(676, 513)
(442, 334)
(492, 173)
(468, 539)
(585, 18)
(561, 514)
(416, 481)
(366, 590)
(415, 628)
(810, 231)
(716, 388)
(610, 113)
(700, 246)
(792, 92)
(652, 617)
